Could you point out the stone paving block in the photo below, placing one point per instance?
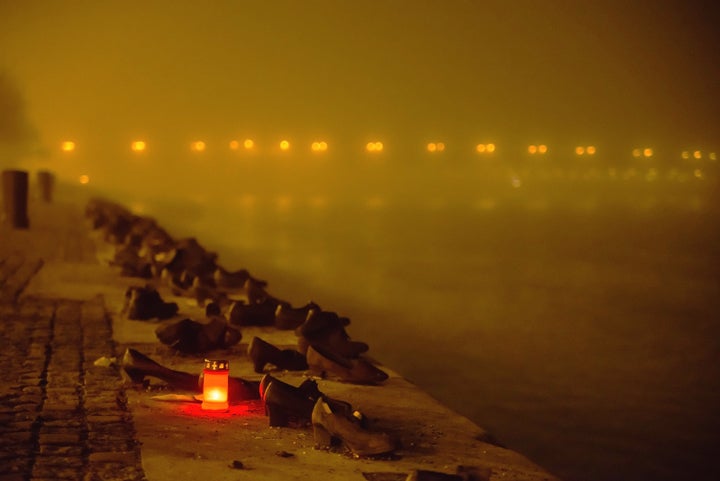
(121, 457)
(12, 476)
(16, 459)
(30, 399)
(28, 408)
(18, 425)
(55, 407)
(57, 450)
(29, 379)
(58, 461)
(67, 438)
(34, 364)
(62, 425)
(16, 437)
(38, 351)
(56, 472)
(62, 390)
(25, 416)
(106, 418)
(59, 415)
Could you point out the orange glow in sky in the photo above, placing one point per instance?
(138, 146)
(198, 146)
(67, 146)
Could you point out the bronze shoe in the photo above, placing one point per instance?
(309, 388)
(318, 321)
(263, 353)
(334, 340)
(193, 337)
(328, 364)
(287, 317)
(327, 329)
(258, 314)
(143, 303)
(136, 366)
(286, 404)
(329, 426)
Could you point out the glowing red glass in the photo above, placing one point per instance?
(215, 385)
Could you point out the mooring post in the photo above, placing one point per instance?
(15, 198)
(46, 183)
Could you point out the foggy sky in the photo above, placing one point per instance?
(620, 71)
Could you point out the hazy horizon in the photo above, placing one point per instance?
(612, 74)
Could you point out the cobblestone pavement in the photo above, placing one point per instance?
(61, 417)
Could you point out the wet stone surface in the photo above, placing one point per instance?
(60, 416)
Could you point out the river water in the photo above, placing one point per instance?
(572, 311)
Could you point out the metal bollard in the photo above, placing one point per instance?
(15, 198)
(46, 183)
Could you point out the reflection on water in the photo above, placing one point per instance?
(573, 312)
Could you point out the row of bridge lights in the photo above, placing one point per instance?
(433, 147)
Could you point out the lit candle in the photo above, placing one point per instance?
(215, 385)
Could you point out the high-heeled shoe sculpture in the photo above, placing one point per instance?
(263, 353)
(329, 426)
(288, 317)
(258, 314)
(143, 303)
(286, 404)
(192, 337)
(137, 366)
(326, 330)
(330, 365)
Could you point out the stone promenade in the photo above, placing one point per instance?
(64, 417)
(60, 416)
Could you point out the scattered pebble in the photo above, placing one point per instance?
(284, 454)
(237, 464)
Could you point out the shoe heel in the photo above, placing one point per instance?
(323, 438)
(259, 366)
(137, 377)
(278, 417)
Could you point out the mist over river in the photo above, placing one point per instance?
(572, 311)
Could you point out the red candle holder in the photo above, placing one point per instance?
(215, 385)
